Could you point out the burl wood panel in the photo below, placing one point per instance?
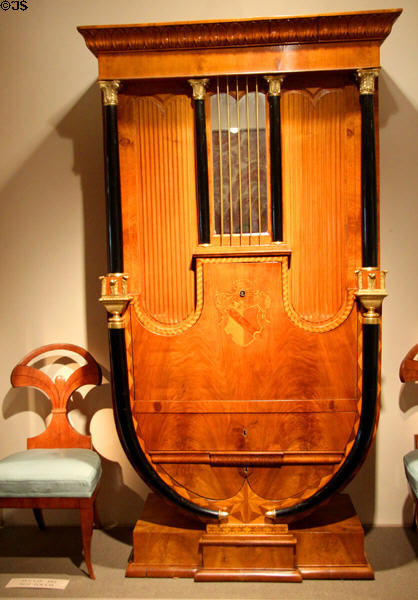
(158, 198)
(321, 175)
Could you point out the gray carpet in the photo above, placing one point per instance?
(56, 553)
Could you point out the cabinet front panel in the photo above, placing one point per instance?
(321, 174)
(245, 394)
(158, 199)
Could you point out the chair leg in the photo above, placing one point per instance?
(97, 521)
(86, 518)
(39, 518)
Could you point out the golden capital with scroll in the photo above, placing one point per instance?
(199, 88)
(371, 292)
(109, 91)
(115, 298)
(366, 79)
(275, 84)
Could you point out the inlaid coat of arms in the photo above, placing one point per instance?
(243, 311)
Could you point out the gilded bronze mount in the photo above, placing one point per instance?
(115, 298)
(275, 84)
(199, 88)
(109, 91)
(366, 78)
(371, 293)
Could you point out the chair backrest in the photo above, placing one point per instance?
(408, 371)
(59, 433)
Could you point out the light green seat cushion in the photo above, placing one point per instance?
(54, 473)
(411, 469)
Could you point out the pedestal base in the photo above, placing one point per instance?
(328, 544)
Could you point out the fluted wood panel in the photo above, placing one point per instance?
(164, 214)
(320, 175)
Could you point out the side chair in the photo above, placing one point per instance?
(59, 469)
(409, 372)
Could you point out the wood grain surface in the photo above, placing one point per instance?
(59, 432)
(242, 382)
(328, 545)
(321, 174)
(245, 361)
(158, 178)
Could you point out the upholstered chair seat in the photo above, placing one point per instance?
(410, 461)
(50, 473)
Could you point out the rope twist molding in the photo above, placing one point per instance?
(155, 326)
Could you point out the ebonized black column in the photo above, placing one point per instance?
(368, 169)
(112, 177)
(368, 182)
(199, 93)
(276, 185)
(276, 169)
(202, 172)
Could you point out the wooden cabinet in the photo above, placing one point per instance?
(244, 287)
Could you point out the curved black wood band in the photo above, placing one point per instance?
(202, 172)
(112, 182)
(127, 434)
(276, 169)
(365, 431)
(368, 182)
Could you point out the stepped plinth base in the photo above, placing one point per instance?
(329, 544)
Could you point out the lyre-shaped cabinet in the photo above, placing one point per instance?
(244, 289)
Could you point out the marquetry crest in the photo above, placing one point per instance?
(243, 312)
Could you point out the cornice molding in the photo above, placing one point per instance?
(345, 27)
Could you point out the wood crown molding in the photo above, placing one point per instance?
(345, 27)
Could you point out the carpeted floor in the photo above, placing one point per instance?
(56, 553)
